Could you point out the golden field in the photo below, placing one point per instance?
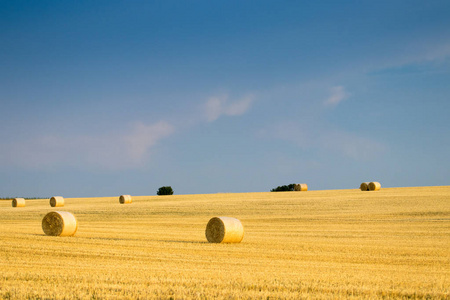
(392, 243)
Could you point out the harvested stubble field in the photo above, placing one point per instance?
(393, 243)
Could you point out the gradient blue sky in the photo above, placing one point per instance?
(102, 98)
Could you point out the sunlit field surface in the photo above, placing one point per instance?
(392, 243)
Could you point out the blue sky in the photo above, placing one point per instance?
(103, 98)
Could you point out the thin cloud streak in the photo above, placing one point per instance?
(338, 94)
(359, 148)
(217, 106)
(127, 150)
(432, 52)
(143, 137)
(313, 136)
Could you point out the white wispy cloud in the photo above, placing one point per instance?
(338, 94)
(129, 148)
(357, 147)
(313, 136)
(126, 150)
(437, 53)
(214, 107)
(433, 54)
(143, 137)
(220, 105)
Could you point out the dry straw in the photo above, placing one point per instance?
(374, 186)
(364, 186)
(125, 199)
(57, 201)
(300, 187)
(59, 223)
(18, 202)
(224, 230)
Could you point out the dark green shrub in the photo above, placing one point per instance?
(165, 190)
(284, 188)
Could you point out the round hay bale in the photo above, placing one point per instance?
(300, 187)
(364, 186)
(18, 202)
(125, 199)
(224, 230)
(59, 223)
(374, 186)
(57, 201)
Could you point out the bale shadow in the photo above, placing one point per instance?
(182, 242)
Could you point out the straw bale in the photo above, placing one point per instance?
(57, 201)
(18, 202)
(125, 199)
(374, 186)
(300, 187)
(224, 230)
(59, 223)
(364, 186)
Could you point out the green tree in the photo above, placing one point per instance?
(165, 190)
(284, 188)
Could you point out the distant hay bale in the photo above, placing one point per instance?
(57, 201)
(224, 230)
(59, 223)
(374, 186)
(364, 186)
(125, 199)
(18, 202)
(300, 187)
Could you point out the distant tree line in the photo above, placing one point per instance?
(26, 198)
(284, 188)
